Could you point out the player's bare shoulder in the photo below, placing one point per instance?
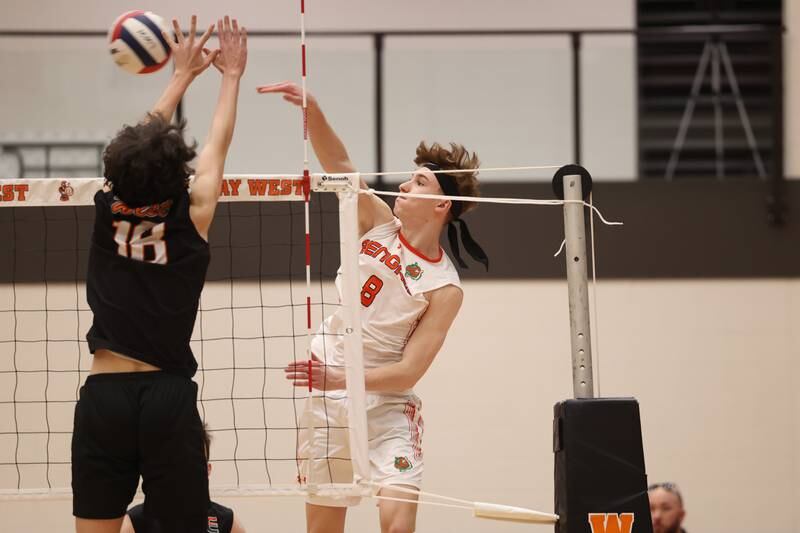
(448, 297)
(373, 211)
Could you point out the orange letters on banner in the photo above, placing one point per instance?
(7, 192)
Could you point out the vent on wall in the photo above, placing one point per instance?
(709, 78)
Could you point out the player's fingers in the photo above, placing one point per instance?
(304, 363)
(178, 32)
(192, 29)
(206, 36)
(304, 370)
(170, 39)
(210, 59)
(280, 86)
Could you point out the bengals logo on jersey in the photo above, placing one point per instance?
(402, 463)
(414, 271)
(66, 191)
(611, 522)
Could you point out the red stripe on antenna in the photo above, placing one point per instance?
(306, 184)
(308, 310)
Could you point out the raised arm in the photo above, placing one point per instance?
(190, 61)
(331, 152)
(231, 62)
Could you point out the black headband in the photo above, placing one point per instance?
(448, 184)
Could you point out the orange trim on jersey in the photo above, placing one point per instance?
(418, 253)
(414, 425)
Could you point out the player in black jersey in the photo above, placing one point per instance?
(221, 519)
(137, 413)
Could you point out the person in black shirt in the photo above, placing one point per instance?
(137, 411)
(221, 519)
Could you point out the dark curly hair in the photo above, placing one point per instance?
(148, 163)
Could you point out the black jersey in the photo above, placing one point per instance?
(147, 267)
(220, 520)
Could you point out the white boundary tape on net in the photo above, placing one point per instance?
(54, 192)
(486, 200)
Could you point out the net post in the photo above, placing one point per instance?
(572, 183)
(353, 348)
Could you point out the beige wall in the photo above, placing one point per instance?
(714, 365)
(435, 88)
(80, 68)
(341, 15)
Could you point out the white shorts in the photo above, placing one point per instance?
(394, 428)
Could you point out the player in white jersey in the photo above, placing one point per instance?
(410, 296)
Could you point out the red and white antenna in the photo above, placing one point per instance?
(306, 187)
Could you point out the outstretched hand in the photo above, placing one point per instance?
(291, 92)
(321, 376)
(232, 58)
(188, 54)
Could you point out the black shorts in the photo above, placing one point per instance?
(140, 423)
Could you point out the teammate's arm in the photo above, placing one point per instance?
(206, 188)
(190, 61)
(332, 153)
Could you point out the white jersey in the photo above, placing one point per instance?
(394, 278)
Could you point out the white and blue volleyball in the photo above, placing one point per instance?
(136, 43)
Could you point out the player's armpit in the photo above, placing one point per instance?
(237, 526)
(127, 526)
(372, 211)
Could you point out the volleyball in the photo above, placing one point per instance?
(136, 43)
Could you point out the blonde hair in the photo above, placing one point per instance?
(456, 157)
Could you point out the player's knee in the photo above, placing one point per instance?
(398, 526)
(401, 528)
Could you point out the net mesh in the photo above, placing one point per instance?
(251, 323)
